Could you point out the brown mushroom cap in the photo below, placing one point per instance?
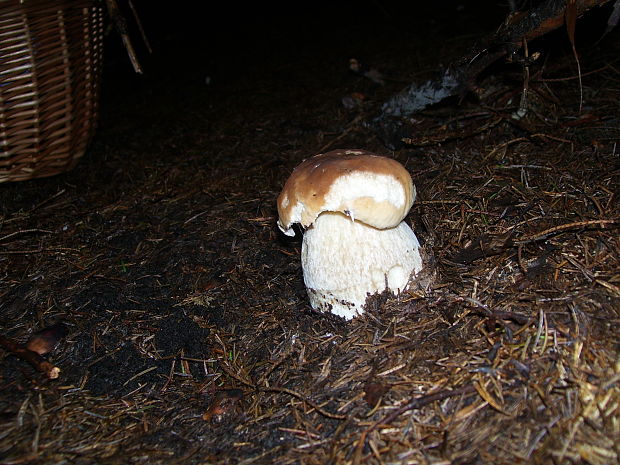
(369, 188)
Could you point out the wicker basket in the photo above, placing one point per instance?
(51, 54)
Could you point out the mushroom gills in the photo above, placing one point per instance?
(346, 261)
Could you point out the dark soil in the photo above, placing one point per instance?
(189, 334)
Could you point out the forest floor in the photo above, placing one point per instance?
(187, 336)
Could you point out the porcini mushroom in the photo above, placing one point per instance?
(352, 204)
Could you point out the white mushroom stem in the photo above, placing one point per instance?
(345, 261)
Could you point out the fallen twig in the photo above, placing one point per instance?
(418, 402)
(284, 390)
(459, 78)
(121, 26)
(567, 227)
(24, 231)
(414, 403)
(140, 28)
(495, 314)
(304, 399)
(451, 135)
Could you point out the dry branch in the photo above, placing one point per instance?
(283, 390)
(121, 25)
(421, 401)
(459, 77)
(413, 404)
(577, 225)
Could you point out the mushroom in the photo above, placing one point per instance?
(352, 204)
